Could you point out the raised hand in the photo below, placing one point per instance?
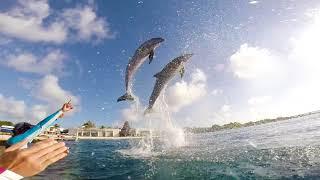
(33, 160)
(67, 107)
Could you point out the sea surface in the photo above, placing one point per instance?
(282, 150)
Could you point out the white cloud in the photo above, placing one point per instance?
(28, 21)
(252, 62)
(198, 76)
(304, 46)
(299, 91)
(87, 24)
(262, 107)
(38, 112)
(226, 108)
(12, 108)
(15, 110)
(259, 100)
(182, 93)
(303, 93)
(27, 62)
(49, 90)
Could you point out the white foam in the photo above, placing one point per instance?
(161, 127)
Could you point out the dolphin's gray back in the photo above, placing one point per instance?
(137, 60)
(163, 78)
(140, 55)
(143, 50)
(171, 68)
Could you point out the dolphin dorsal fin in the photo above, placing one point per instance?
(157, 75)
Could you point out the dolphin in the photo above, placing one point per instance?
(165, 75)
(145, 50)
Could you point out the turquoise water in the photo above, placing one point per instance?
(282, 150)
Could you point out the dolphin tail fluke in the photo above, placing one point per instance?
(126, 97)
(148, 111)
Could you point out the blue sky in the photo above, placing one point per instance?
(250, 58)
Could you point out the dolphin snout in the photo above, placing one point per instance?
(187, 56)
(158, 40)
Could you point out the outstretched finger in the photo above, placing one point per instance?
(53, 154)
(17, 146)
(54, 159)
(49, 150)
(41, 145)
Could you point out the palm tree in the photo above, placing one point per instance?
(6, 123)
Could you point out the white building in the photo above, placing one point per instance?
(96, 132)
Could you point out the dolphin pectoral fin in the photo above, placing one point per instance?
(182, 70)
(151, 56)
(125, 97)
(157, 75)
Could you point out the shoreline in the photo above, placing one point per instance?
(74, 138)
(237, 125)
(109, 138)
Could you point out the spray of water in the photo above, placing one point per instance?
(171, 136)
(163, 135)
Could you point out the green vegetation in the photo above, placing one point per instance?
(235, 125)
(6, 123)
(105, 127)
(88, 124)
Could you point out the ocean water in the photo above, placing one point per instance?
(282, 150)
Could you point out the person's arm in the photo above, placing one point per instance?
(35, 130)
(40, 127)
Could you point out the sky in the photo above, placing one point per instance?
(252, 59)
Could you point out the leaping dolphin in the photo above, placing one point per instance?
(165, 75)
(145, 50)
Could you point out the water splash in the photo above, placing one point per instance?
(171, 136)
(163, 135)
